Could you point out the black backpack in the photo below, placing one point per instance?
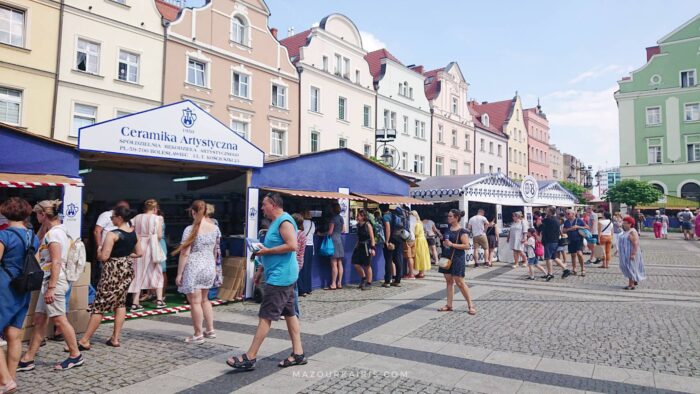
(32, 277)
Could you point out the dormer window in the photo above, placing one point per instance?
(485, 119)
(238, 30)
(455, 104)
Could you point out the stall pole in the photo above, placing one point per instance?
(345, 208)
(72, 210)
(251, 231)
(464, 206)
(528, 215)
(499, 216)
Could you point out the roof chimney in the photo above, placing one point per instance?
(419, 69)
(290, 31)
(274, 32)
(651, 51)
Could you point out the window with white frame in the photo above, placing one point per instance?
(83, 115)
(367, 116)
(279, 96)
(128, 67)
(498, 149)
(357, 76)
(455, 104)
(654, 154)
(692, 112)
(438, 165)
(392, 119)
(482, 146)
(481, 168)
(346, 68)
(693, 151)
(467, 142)
(485, 119)
(315, 103)
(454, 138)
(238, 30)
(404, 160)
(241, 85)
(87, 57)
(419, 164)
(453, 167)
(490, 169)
(422, 130)
(410, 92)
(315, 141)
(325, 63)
(688, 78)
(338, 64)
(367, 149)
(11, 26)
(499, 170)
(10, 106)
(491, 147)
(467, 167)
(387, 118)
(278, 142)
(122, 113)
(342, 143)
(342, 108)
(440, 133)
(653, 116)
(240, 128)
(196, 72)
(405, 124)
(416, 131)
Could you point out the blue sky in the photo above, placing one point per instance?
(568, 53)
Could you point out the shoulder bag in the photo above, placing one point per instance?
(32, 277)
(446, 263)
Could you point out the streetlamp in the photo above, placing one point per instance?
(385, 136)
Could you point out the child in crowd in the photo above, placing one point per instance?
(532, 260)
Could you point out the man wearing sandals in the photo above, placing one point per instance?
(279, 265)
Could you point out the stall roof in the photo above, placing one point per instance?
(330, 170)
(384, 199)
(314, 194)
(23, 152)
(28, 181)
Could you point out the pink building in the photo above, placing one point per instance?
(538, 142)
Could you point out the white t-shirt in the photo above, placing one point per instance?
(105, 221)
(57, 234)
(412, 227)
(531, 247)
(603, 224)
(428, 228)
(309, 230)
(478, 224)
(594, 223)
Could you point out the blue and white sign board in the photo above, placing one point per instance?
(180, 131)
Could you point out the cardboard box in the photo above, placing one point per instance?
(78, 298)
(84, 279)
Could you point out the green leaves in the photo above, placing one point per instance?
(633, 192)
(575, 189)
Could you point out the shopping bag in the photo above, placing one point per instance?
(327, 248)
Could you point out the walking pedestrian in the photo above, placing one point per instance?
(119, 250)
(196, 270)
(51, 304)
(593, 240)
(532, 261)
(478, 224)
(164, 261)
(409, 247)
(455, 245)
(640, 222)
(422, 261)
(364, 250)
(393, 246)
(148, 273)
(686, 218)
(697, 224)
(305, 273)
(102, 227)
(658, 224)
(550, 233)
(335, 229)
(571, 226)
(432, 234)
(281, 271)
(16, 240)
(492, 238)
(631, 261)
(605, 229)
(664, 224)
(516, 239)
(617, 230)
(301, 249)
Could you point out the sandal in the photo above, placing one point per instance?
(24, 366)
(8, 388)
(111, 343)
(298, 359)
(471, 311)
(70, 363)
(195, 340)
(445, 309)
(583, 273)
(160, 304)
(210, 334)
(80, 347)
(628, 288)
(329, 288)
(244, 363)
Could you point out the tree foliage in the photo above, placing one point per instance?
(575, 189)
(633, 192)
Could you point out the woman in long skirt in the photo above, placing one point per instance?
(422, 261)
(148, 273)
(631, 262)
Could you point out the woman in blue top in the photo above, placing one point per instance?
(455, 243)
(14, 242)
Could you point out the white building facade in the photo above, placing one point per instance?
(490, 151)
(402, 106)
(337, 98)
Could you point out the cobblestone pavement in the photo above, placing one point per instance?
(360, 381)
(142, 356)
(322, 304)
(635, 335)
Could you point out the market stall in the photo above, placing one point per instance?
(313, 181)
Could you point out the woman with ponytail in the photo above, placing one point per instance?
(196, 270)
(455, 244)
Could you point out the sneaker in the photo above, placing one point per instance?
(549, 277)
(24, 366)
(136, 308)
(195, 340)
(210, 334)
(396, 284)
(544, 276)
(386, 284)
(566, 273)
(70, 363)
(530, 278)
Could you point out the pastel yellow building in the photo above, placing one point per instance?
(28, 50)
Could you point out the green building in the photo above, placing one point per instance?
(659, 113)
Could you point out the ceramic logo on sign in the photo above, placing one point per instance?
(180, 131)
(529, 188)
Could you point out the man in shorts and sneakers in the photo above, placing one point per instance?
(477, 225)
(571, 226)
(550, 234)
(279, 265)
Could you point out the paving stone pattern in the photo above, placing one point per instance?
(360, 381)
(634, 335)
(322, 304)
(141, 356)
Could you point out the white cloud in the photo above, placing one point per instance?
(584, 123)
(597, 72)
(370, 42)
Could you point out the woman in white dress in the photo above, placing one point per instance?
(148, 273)
(516, 239)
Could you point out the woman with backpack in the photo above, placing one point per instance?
(455, 245)
(16, 241)
(51, 304)
(119, 249)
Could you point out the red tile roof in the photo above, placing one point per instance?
(498, 111)
(374, 59)
(476, 117)
(294, 44)
(432, 84)
(169, 12)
